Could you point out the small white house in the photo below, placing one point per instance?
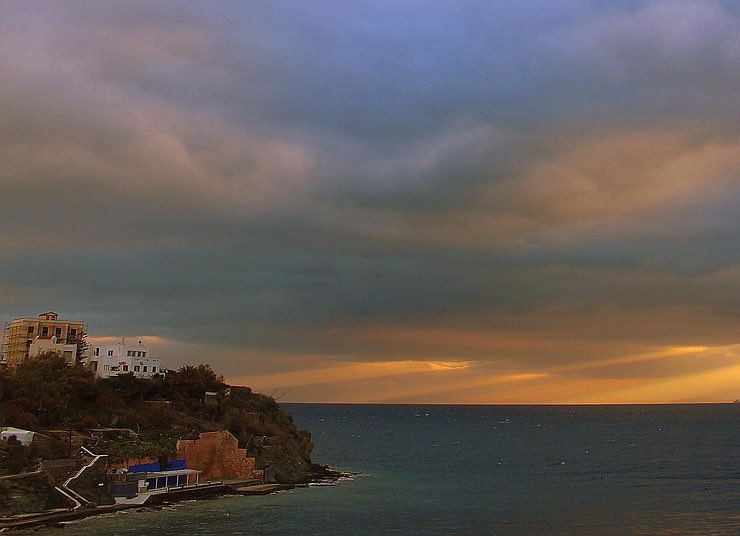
(112, 359)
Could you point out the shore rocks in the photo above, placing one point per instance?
(27, 493)
(269, 434)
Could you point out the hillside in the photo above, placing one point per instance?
(128, 417)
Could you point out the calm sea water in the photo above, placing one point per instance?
(510, 470)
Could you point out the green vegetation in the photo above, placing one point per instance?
(128, 417)
(45, 392)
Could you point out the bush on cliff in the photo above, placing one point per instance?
(47, 388)
(47, 393)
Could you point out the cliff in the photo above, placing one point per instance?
(128, 417)
(262, 428)
(28, 493)
(269, 434)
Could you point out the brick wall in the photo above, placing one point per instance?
(218, 455)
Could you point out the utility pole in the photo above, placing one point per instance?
(69, 438)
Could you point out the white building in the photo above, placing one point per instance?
(24, 436)
(112, 359)
(40, 346)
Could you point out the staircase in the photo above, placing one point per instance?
(68, 488)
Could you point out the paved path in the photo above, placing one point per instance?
(50, 517)
(263, 489)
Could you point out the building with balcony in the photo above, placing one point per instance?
(40, 346)
(23, 333)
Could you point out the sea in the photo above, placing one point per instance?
(508, 470)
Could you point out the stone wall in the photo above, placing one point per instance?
(61, 470)
(90, 483)
(29, 492)
(218, 455)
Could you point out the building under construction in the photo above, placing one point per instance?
(21, 333)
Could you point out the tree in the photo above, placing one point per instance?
(82, 346)
(193, 381)
(128, 386)
(47, 386)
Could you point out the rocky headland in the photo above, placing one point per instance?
(130, 419)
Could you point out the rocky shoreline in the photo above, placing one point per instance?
(124, 439)
(57, 518)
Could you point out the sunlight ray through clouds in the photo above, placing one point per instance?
(476, 382)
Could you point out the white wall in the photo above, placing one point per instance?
(39, 346)
(112, 359)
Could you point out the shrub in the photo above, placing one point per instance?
(87, 422)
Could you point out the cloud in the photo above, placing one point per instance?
(445, 182)
(698, 374)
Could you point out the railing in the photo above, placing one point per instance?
(69, 496)
(182, 487)
(68, 482)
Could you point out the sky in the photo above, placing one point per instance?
(432, 202)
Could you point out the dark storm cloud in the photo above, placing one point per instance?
(265, 174)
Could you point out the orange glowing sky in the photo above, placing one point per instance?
(337, 202)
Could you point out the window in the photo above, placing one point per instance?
(58, 332)
(125, 368)
(110, 352)
(136, 368)
(154, 369)
(138, 354)
(44, 331)
(144, 368)
(94, 366)
(30, 329)
(97, 351)
(72, 333)
(106, 367)
(143, 354)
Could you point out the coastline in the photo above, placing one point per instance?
(53, 518)
(203, 492)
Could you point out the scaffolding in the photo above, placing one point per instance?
(16, 343)
(4, 346)
(20, 333)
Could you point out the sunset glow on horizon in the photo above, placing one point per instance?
(480, 203)
(471, 383)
